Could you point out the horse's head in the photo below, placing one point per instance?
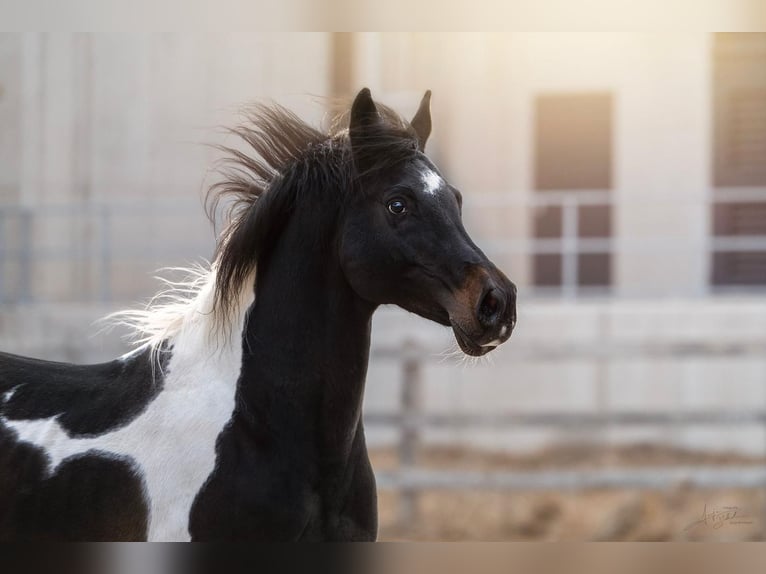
(403, 240)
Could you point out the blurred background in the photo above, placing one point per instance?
(618, 179)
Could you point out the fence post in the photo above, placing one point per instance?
(570, 224)
(105, 255)
(3, 256)
(763, 503)
(25, 257)
(411, 394)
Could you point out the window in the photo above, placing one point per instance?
(573, 176)
(739, 165)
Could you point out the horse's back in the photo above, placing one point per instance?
(45, 494)
(87, 400)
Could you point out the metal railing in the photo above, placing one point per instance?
(571, 243)
(410, 479)
(101, 249)
(91, 240)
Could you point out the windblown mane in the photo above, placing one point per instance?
(256, 194)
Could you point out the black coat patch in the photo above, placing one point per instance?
(89, 400)
(90, 497)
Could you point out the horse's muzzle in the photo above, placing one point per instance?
(486, 313)
(497, 313)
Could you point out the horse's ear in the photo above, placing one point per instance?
(362, 127)
(364, 115)
(421, 122)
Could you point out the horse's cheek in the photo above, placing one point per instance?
(354, 261)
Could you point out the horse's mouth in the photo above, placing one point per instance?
(467, 345)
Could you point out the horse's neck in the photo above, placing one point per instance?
(306, 348)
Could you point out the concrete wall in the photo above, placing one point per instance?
(95, 118)
(485, 87)
(10, 96)
(124, 119)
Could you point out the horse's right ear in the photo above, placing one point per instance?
(421, 123)
(361, 128)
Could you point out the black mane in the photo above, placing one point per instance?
(290, 158)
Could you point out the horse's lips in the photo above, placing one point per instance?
(466, 344)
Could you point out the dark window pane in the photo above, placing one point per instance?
(739, 268)
(739, 110)
(595, 221)
(547, 270)
(547, 222)
(573, 141)
(594, 269)
(739, 218)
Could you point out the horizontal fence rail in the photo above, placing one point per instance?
(594, 350)
(94, 239)
(574, 480)
(563, 419)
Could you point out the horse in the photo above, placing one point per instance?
(238, 413)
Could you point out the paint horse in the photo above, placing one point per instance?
(239, 415)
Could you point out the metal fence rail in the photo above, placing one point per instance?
(564, 420)
(90, 237)
(541, 351)
(573, 480)
(101, 247)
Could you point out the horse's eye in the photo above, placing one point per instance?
(397, 207)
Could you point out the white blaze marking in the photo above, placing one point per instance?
(431, 181)
(173, 441)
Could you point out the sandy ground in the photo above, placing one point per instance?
(586, 515)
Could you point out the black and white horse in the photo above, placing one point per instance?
(239, 415)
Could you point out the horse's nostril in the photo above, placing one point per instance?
(490, 308)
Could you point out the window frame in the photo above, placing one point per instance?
(730, 184)
(570, 245)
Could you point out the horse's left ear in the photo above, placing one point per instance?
(363, 127)
(364, 115)
(421, 122)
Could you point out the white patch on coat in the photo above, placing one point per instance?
(7, 395)
(173, 441)
(432, 182)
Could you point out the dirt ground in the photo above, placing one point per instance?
(588, 515)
